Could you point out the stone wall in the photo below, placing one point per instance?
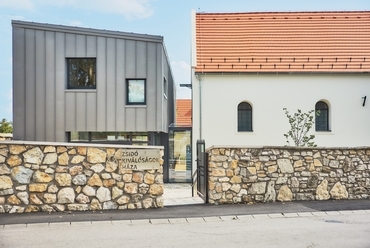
(74, 177)
(269, 174)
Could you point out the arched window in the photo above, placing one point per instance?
(322, 120)
(244, 117)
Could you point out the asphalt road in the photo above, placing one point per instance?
(294, 224)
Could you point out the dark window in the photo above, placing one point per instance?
(135, 91)
(81, 73)
(244, 117)
(322, 119)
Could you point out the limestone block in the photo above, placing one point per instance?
(339, 191)
(16, 209)
(81, 150)
(95, 155)
(123, 200)
(252, 170)
(111, 152)
(30, 209)
(33, 156)
(78, 207)
(334, 164)
(258, 188)
(66, 195)
(233, 164)
(159, 179)
(298, 163)
(109, 183)
(236, 179)
(50, 158)
(156, 189)
(270, 195)
(23, 196)
(322, 192)
(143, 188)
(37, 187)
(110, 205)
(148, 178)
(294, 183)
(97, 168)
(111, 166)
(6, 192)
(285, 165)
(22, 174)
(116, 192)
(34, 199)
(5, 182)
(105, 175)
(77, 159)
(272, 169)
(4, 170)
(285, 194)
(13, 200)
(41, 177)
(63, 159)
(53, 188)
(63, 179)
(59, 207)
(95, 180)
(82, 199)
(14, 160)
(317, 163)
(72, 151)
(61, 149)
(225, 186)
(16, 149)
(235, 188)
(50, 198)
(61, 169)
(218, 172)
(95, 205)
(49, 149)
(89, 191)
(131, 188)
(103, 194)
(74, 170)
(79, 180)
(147, 203)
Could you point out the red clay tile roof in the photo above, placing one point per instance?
(183, 112)
(283, 42)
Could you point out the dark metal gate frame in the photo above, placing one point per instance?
(201, 174)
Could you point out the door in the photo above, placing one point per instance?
(202, 171)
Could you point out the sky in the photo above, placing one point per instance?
(167, 18)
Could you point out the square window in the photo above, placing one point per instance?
(135, 89)
(81, 73)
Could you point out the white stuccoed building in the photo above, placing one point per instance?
(247, 67)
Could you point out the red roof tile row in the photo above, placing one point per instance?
(283, 42)
(183, 112)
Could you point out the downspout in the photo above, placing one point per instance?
(200, 105)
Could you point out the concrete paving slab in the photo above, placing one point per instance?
(331, 213)
(212, 219)
(345, 212)
(229, 218)
(290, 215)
(159, 221)
(317, 213)
(16, 226)
(140, 222)
(305, 214)
(276, 216)
(177, 220)
(195, 220)
(60, 224)
(261, 216)
(82, 223)
(121, 222)
(245, 217)
(360, 211)
(37, 225)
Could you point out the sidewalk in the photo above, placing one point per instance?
(180, 205)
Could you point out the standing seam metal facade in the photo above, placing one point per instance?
(45, 110)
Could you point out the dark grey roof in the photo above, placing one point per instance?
(87, 31)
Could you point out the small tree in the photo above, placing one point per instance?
(300, 124)
(6, 126)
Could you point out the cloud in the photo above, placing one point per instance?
(17, 4)
(181, 72)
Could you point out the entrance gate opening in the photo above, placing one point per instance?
(202, 171)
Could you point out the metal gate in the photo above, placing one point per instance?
(202, 171)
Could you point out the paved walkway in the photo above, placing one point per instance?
(179, 194)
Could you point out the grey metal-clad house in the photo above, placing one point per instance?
(88, 85)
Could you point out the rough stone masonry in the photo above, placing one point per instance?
(269, 174)
(72, 177)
